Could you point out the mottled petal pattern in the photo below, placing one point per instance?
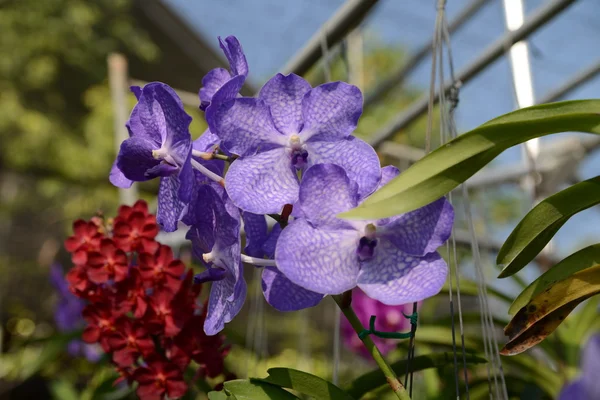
(358, 159)
(322, 261)
(235, 55)
(220, 310)
(284, 95)
(326, 192)
(331, 111)
(420, 231)
(262, 183)
(395, 278)
(284, 295)
(244, 125)
(255, 226)
(169, 206)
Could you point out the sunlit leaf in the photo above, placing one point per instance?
(374, 379)
(541, 223)
(306, 383)
(219, 396)
(585, 258)
(546, 311)
(256, 389)
(450, 165)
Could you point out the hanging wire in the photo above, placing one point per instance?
(490, 341)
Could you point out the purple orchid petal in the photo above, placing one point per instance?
(229, 91)
(186, 180)
(358, 159)
(170, 207)
(574, 391)
(220, 309)
(269, 245)
(420, 231)
(395, 278)
(326, 191)
(212, 82)
(210, 275)
(590, 366)
(244, 125)
(207, 143)
(262, 183)
(235, 55)
(135, 158)
(322, 261)
(284, 295)
(137, 91)
(117, 177)
(284, 95)
(388, 173)
(176, 121)
(92, 352)
(331, 111)
(255, 227)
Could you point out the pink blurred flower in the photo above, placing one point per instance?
(389, 319)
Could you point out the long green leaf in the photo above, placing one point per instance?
(306, 383)
(584, 258)
(447, 167)
(540, 224)
(374, 379)
(255, 389)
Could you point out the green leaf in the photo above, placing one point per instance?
(546, 311)
(306, 383)
(447, 167)
(374, 379)
(63, 390)
(255, 389)
(584, 258)
(219, 396)
(469, 288)
(541, 223)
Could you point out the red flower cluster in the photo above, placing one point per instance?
(142, 303)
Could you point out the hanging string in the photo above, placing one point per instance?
(337, 315)
(490, 341)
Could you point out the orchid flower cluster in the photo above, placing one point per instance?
(290, 154)
(142, 305)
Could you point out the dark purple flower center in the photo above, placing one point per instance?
(366, 248)
(299, 158)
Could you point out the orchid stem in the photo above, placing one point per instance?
(207, 172)
(344, 302)
(205, 155)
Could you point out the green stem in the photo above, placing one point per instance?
(344, 302)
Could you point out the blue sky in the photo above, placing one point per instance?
(271, 31)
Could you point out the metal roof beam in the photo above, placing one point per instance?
(542, 15)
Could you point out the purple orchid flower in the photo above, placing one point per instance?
(290, 127)
(389, 319)
(215, 236)
(587, 387)
(392, 260)
(67, 316)
(281, 293)
(159, 146)
(220, 84)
